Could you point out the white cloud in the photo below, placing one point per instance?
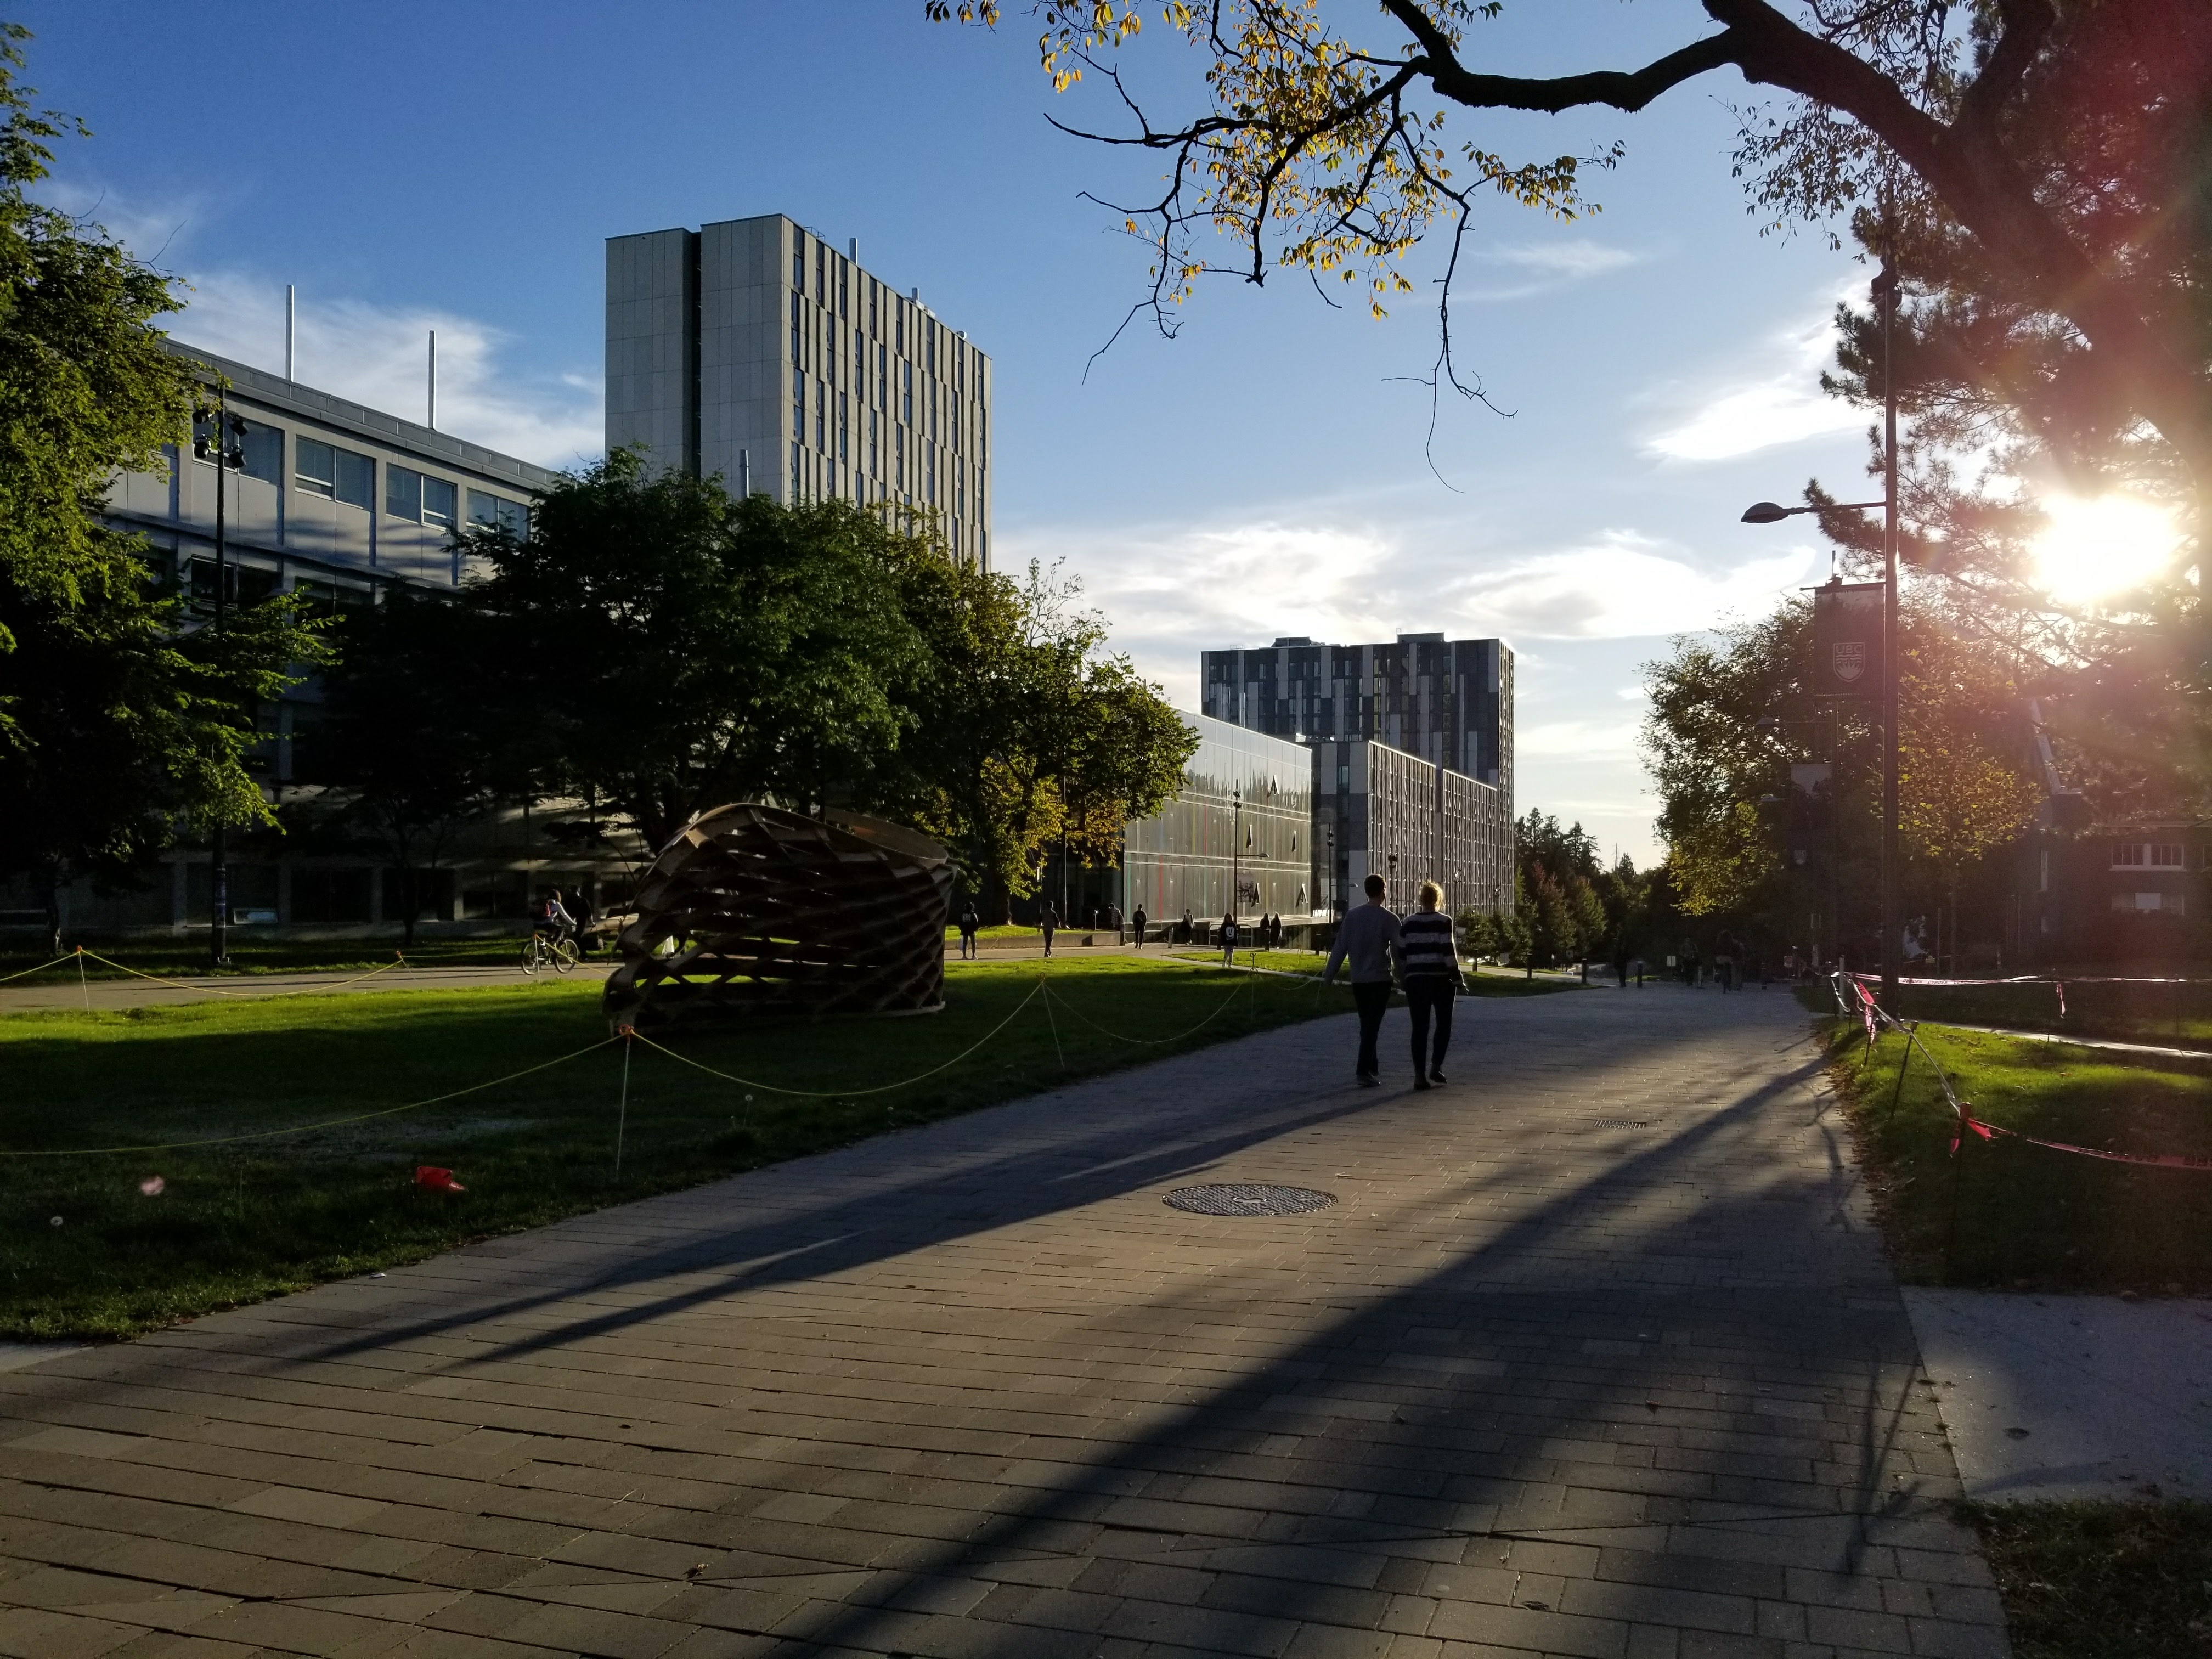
(1172, 593)
(1772, 405)
(378, 356)
(1623, 585)
(1548, 265)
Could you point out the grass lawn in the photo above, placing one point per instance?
(188, 956)
(2028, 1217)
(2102, 1581)
(2179, 1014)
(84, 1252)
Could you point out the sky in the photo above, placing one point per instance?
(1270, 471)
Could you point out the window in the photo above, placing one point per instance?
(844, 420)
(929, 473)
(821, 273)
(2166, 855)
(859, 362)
(2127, 854)
(875, 294)
(326, 597)
(440, 500)
(844, 276)
(820, 416)
(496, 513)
(875, 471)
(403, 493)
(795, 468)
(796, 346)
(265, 452)
(906, 376)
(882, 379)
(798, 267)
(338, 475)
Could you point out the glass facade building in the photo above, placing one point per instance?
(1242, 821)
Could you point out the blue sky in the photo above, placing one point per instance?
(458, 165)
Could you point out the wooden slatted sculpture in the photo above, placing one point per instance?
(753, 908)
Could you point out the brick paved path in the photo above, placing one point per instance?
(1596, 1356)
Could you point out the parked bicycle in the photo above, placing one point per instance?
(543, 952)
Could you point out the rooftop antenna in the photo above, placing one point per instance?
(433, 421)
(853, 250)
(291, 319)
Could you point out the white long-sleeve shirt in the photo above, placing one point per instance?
(1368, 938)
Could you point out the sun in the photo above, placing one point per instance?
(2094, 546)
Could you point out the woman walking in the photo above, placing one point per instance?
(1432, 980)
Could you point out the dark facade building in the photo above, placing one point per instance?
(1412, 746)
(1242, 823)
(1450, 702)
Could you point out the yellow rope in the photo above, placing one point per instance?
(40, 969)
(307, 1128)
(252, 996)
(847, 1094)
(1149, 1042)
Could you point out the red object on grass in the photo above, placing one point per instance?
(433, 1179)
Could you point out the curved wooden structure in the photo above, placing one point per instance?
(754, 907)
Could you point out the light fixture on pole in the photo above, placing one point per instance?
(1885, 296)
(1235, 849)
(220, 436)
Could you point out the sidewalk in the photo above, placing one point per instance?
(1594, 1354)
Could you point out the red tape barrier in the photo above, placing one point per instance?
(1875, 1016)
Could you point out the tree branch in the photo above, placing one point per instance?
(1622, 89)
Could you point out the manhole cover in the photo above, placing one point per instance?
(1621, 1123)
(1245, 1198)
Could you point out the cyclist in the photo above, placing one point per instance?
(553, 918)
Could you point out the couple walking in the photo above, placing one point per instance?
(1372, 940)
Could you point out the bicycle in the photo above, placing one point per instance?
(543, 952)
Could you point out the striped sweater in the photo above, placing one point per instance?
(1427, 936)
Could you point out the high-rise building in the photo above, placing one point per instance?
(1448, 701)
(1412, 756)
(755, 349)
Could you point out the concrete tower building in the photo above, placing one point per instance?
(754, 348)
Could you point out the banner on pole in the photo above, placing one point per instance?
(1847, 635)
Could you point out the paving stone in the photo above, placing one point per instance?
(973, 1391)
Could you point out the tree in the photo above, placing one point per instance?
(658, 645)
(1031, 735)
(405, 738)
(117, 727)
(1327, 153)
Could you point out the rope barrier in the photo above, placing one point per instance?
(843, 1094)
(1148, 1042)
(1876, 1018)
(398, 961)
(26, 972)
(309, 1128)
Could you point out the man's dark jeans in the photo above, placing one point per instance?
(1370, 997)
(1427, 995)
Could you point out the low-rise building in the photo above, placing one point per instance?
(1381, 811)
(337, 502)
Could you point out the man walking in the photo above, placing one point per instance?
(1369, 939)
(1433, 980)
(1137, 921)
(1048, 923)
(970, 922)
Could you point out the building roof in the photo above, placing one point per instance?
(294, 398)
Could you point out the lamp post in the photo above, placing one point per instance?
(1885, 296)
(220, 436)
(1235, 849)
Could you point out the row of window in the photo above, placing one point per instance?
(832, 294)
(347, 476)
(2149, 855)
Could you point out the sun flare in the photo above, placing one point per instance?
(2095, 546)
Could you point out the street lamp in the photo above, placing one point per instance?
(220, 436)
(1885, 296)
(1235, 849)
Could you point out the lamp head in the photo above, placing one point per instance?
(1766, 512)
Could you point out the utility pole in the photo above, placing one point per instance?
(220, 438)
(1885, 288)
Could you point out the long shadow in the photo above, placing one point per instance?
(933, 1208)
(1469, 1462)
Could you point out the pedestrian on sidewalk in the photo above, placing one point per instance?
(1433, 980)
(1228, 938)
(1048, 923)
(1137, 921)
(1187, 930)
(970, 923)
(1368, 938)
